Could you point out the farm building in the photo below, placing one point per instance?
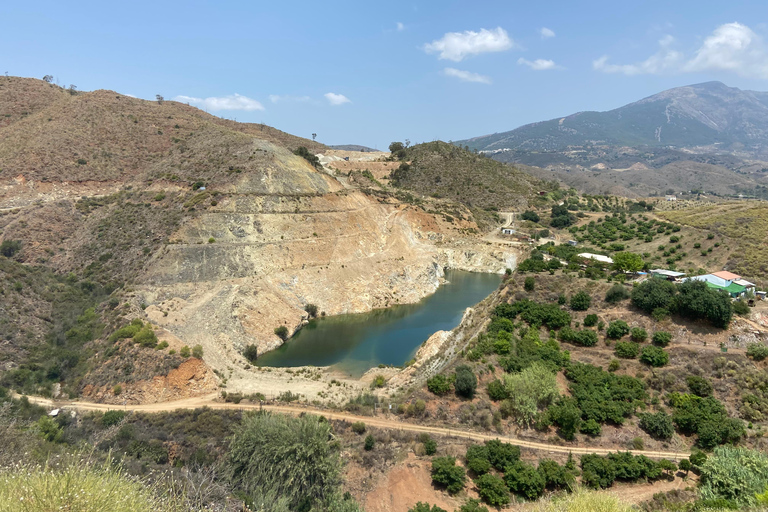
(669, 275)
(596, 257)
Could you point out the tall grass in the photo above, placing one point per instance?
(77, 484)
(583, 500)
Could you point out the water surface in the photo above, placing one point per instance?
(355, 343)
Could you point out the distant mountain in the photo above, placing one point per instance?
(708, 114)
(353, 147)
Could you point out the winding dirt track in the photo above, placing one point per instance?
(385, 421)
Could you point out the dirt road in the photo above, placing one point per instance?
(384, 421)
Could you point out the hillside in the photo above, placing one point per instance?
(695, 115)
(205, 232)
(441, 170)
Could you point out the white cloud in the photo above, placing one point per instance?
(232, 102)
(732, 47)
(274, 98)
(467, 76)
(546, 33)
(538, 64)
(666, 59)
(456, 46)
(400, 27)
(336, 99)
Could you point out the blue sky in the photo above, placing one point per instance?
(372, 72)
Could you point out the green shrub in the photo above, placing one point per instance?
(661, 338)
(757, 351)
(580, 301)
(614, 365)
(530, 390)
(293, 458)
(184, 352)
(530, 284)
(445, 472)
(654, 293)
(530, 215)
(566, 415)
(197, 351)
(128, 331)
(307, 155)
(251, 353)
(657, 425)
(699, 386)
(497, 391)
(465, 383)
(734, 474)
(654, 356)
(616, 293)
(430, 446)
(111, 418)
(501, 455)
(477, 458)
(424, 507)
(9, 248)
(591, 428)
(627, 349)
(370, 442)
(282, 332)
(492, 490)
(638, 334)
(439, 385)
(590, 320)
(472, 505)
(146, 337)
(358, 427)
(617, 329)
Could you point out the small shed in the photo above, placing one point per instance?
(669, 275)
(507, 231)
(573, 243)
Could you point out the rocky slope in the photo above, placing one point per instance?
(214, 231)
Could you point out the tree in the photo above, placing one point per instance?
(530, 215)
(424, 507)
(184, 351)
(466, 382)
(531, 389)
(699, 386)
(492, 490)
(653, 294)
(497, 391)
(685, 465)
(590, 320)
(523, 479)
(9, 248)
(472, 505)
(561, 217)
(446, 473)
(627, 349)
(397, 149)
(370, 442)
(580, 301)
(48, 78)
(314, 136)
(627, 262)
(72, 89)
(197, 351)
(309, 157)
(311, 310)
(477, 459)
(654, 356)
(695, 300)
(430, 446)
(501, 454)
(251, 353)
(291, 457)
(657, 425)
(566, 415)
(757, 351)
(617, 329)
(159, 99)
(638, 334)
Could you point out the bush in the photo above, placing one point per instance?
(617, 329)
(654, 356)
(757, 351)
(472, 505)
(251, 353)
(566, 415)
(530, 215)
(616, 293)
(282, 332)
(439, 385)
(661, 338)
(466, 382)
(627, 349)
(657, 425)
(654, 293)
(478, 459)
(184, 352)
(497, 391)
(580, 301)
(446, 473)
(501, 455)
(146, 337)
(741, 308)
(590, 320)
(638, 334)
(112, 418)
(424, 507)
(492, 490)
(591, 428)
(530, 284)
(430, 446)
(370, 442)
(358, 427)
(197, 351)
(699, 386)
(293, 458)
(734, 474)
(614, 365)
(531, 389)
(9, 248)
